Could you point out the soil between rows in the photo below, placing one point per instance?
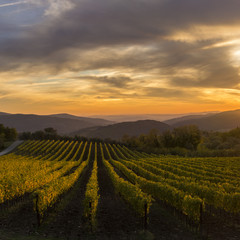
(115, 219)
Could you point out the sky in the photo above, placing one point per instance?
(89, 57)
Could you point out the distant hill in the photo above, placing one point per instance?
(156, 117)
(138, 117)
(116, 131)
(94, 121)
(223, 121)
(96, 127)
(31, 122)
(3, 113)
(173, 121)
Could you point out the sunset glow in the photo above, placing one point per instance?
(119, 57)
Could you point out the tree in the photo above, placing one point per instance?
(2, 137)
(50, 131)
(38, 135)
(187, 137)
(168, 139)
(153, 138)
(7, 135)
(2, 128)
(25, 136)
(10, 134)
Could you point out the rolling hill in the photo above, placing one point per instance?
(94, 121)
(223, 121)
(174, 121)
(3, 113)
(157, 117)
(31, 122)
(116, 131)
(96, 127)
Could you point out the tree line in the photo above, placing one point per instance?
(7, 135)
(187, 141)
(184, 141)
(52, 134)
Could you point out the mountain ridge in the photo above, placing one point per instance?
(222, 121)
(118, 130)
(33, 122)
(68, 124)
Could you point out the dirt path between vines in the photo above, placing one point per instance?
(115, 219)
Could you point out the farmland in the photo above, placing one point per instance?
(88, 190)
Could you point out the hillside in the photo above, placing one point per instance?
(138, 117)
(101, 128)
(174, 121)
(94, 121)
(3, 113)
(31, 123)
(218, 122)
(157, 117)
(116, 131)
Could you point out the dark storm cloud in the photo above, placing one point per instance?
(114, 24)
(106, 22)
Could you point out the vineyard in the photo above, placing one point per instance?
(69, 189)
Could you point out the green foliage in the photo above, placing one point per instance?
(187, 137)
(50, 168)
(187, 141)
(91, 194)
(50, 194)
(10, 134)
(47, 133)
(131, 193)
(7, 135)
(185, 183)
(191, 206)
(2, 140)
(25, 171)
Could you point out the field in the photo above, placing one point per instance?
(84, 190)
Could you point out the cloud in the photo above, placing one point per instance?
(12, 4)
(124, 49)
(57, 7)
(92, 24)
(119, 81)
